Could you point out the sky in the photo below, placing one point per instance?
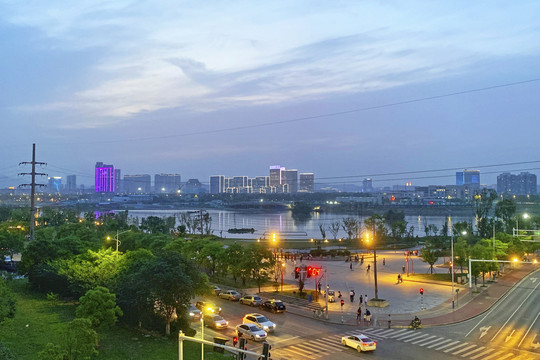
(344, 89)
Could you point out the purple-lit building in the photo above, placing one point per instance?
(105, 178)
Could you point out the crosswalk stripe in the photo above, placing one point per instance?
(298, 351)
(472, 352)
(440, 343)
(463, 347)
(425, 341)
(399, 333)
(386, 332)
(482, 354)
(324, 345)
(309, 348)
(506, 356)
(377, 331)
(406, 336)
(449, 344)
(493, 355)
(418, 337)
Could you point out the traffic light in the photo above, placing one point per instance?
(241, 355)
(235, 340)
(421, 291)
(266, 350)
(296, 272)
(309, 269)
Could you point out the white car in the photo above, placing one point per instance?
(253, 300)
(215, 321)
(359, 342)
(251, 331)
(259, 320)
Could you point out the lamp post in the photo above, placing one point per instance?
(118, 242)
(202, 337)
(452, 264)
(525, 216)
(374, 261)
(282, 268)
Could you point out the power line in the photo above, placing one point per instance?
(345, 112)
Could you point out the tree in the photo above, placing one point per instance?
(11, 240)
(211, 257)
(429, 255)
(6, 354)
(350, 225)
(398, 230)
(461, 253)
(376, 226)
(80, 339)
(234, 255)
(260, 262)
(99, 306)
(505, 210)
(8, 301)
(334, 229)
(322, 229)
(163, 284)
(51, 352)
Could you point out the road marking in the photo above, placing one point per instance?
(378, 331)
(298, 351)
(406, 336)
(442, 342)
(472, 352)
(482, 354)
(418, 337)
(287, 339)
(510, 336)
(501, 300)
(311, 349)
(533, 280)
(527, 333)
(462, 350)
(533, 344)
(399, 333)
(386, 332)
(421, 341)
(505, 356)
(442, 347)
(511, 316)
(484, 330)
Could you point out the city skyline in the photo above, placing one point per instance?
(222, 88)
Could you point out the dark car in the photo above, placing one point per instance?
(208, 307)
(273, 305)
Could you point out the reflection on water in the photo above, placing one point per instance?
(283, 222)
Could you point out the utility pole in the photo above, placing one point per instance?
(33, 188)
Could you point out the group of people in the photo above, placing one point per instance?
(367, 314)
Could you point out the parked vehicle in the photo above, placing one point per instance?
(217, 290)
(251, 331)
(273, 305)
(259, 320)
(253, 300)
(231, 295)
(331, 296)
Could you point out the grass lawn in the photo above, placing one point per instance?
(38, 322)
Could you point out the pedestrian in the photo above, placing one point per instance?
(359, 313)
(361, 299)
(384, 261)
(319, 288)
(367, 316)
(351, 295)
(403, 269)
(350, 266)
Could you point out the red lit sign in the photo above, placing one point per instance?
(314, 271)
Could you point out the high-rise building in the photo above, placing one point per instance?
(54, 184)
(137, 184)
(217, 184)
(522, 184)
(275, 175)
(367, 185)
(105, 178)
(117, 181)
(71, 184)
(290, 177)
(260, 184)
(192, 186)
(468, 177)
(167, 183)
(307, 182)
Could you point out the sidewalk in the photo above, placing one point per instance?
(468, 306)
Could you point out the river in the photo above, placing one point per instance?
(266, 223)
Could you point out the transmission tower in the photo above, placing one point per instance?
(33, 188)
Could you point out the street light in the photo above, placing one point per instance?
(525, 216)
(116, 238)
(452, 264)
(374, 261)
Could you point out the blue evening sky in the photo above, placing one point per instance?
(181, 87)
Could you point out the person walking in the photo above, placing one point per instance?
(367, 316)
(361, 300)
(351, 295)
(359, 313)
(350, 266)
(383, 261)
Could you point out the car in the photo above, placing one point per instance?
(259, 320)
(215, 321)
(273, 305)
(217, 290)
(208, 307)
(253, 300)
(331, 296)
(194, 313)
(251, 331)
(359, 342)
(231, 295)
